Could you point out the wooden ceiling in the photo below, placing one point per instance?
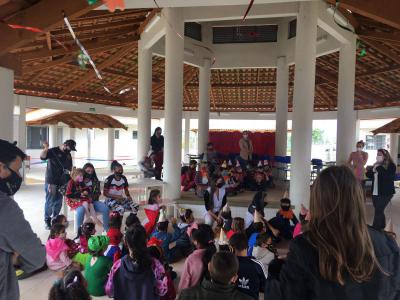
(392, 127)
(79, 120)
(49, 70)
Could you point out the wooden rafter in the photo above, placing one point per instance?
(34, 16)
(383, 49)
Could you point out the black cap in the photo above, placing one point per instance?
(71, 144)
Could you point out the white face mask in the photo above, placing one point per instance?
(379, 158)
(359, 149)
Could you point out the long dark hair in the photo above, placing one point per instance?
(56, 229)
(153, 195)
(90, 165)
(71, 287)
(338, 227)
(155, 130)
(135, 239)
(204, 236)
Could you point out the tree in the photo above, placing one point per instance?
(317, 136)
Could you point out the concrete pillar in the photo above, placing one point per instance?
(22, 123)
(204, 105)
(89, 144)
(358, 130)
(282, 91)
(394, 147)
(53, 136)
(187, 139)
(144, 101)
(7, 104)
(173, 102)
(110, 143)
(303, 103)
(346, 116)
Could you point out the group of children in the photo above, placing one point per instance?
(132, 261)
(256, 177)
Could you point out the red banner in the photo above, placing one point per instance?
(227, 141)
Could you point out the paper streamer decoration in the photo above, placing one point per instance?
(112, 5)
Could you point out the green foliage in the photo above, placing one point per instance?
(317, 136)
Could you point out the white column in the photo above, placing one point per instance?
(282, 90)
(7, 104)
(89, 144)
(53, 136)
(346, 116)
(358, 130)
(110, 143)
(394, 147)
(303, 103)
(187, 137)
(204, 105)
(144, 100)
(22, 123)
(173, 101)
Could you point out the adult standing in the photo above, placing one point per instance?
(357, 160)
(338, 256)
(93, 184)
(157, 147)
(382, 174)
(19, 246)
(246, 149)
(59, 165)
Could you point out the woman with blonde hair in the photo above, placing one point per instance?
(357, 160)
(339, 256)
(382, 173)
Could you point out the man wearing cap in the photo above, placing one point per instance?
(59, 164)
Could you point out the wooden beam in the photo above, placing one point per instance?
(91, 74)
(383, 49)
(383, 11)
(240, 85)
(391, 37)
(46, 15)
(104, 44)
(150, 16)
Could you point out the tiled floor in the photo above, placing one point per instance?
(31, 200)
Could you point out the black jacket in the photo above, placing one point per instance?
(209, 201)
(300, 279)
(385, 179)
(208, 290)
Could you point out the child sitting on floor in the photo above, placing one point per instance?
(152, 210)
(116, 191)
(264, 250)
(285, 220)
(226, 216)
(258, 182)
(237, 227)
(186, 222)
(71, 286)
(97, 266)
(172, 252)
(78, 195)
(56, 249)
(137, 275)
(304, 217)
(86, 230)
(258, 227)
(114, 234)
(196, 264)
(187, 182)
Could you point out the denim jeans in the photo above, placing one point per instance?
(98, 207)
(53, 202)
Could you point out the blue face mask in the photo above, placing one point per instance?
(11, 184)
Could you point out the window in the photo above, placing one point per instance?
(375, 142)
(193, 30)
(134, 134)
(36, 135)
(116, 134)
(292, 29)
(245, 34)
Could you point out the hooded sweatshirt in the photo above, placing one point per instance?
(128, 281)
(57, 255)
(16, 239)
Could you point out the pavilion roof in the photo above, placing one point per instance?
(391, 127)
(49, 70)
(79, 120)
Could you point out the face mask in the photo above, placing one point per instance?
(11, 184)
(285, 208)
(67, 150)
(379, 158)
(359, 149)
(118, 174)
(220, 185)
(245, 136)
(66, 223)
